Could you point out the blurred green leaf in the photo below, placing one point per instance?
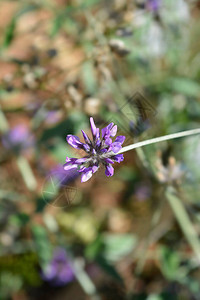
(20, 219)
(170, 262)
(57, 25)
(94, 248)
(60, 18)
(112, 247)
(185, 86)
(154, 297)
(10, 32)
(42, 244)
(40, 204)
(117, 246)
(89, 77)
(9, 283)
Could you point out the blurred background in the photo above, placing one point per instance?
(131, 236)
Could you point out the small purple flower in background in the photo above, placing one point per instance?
(18, 138)
(100, 150)
(153, 5)
(142, 192)
(52, 117)
(58, 272)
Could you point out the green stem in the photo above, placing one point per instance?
(160, 139)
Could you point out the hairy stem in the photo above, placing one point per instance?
(160, 139)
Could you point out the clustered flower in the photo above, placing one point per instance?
(99, 150)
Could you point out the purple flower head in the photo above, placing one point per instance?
(18, 138)
(99, 150)
(58, 272)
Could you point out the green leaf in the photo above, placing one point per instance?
(57, 25)
(42, 244)
(154, 297)
(111, 246)
(9, 284)
(170, 262)
(59, 20)
(27, 9)
(10, 32)
(93, 249)
(117, 246)
(20, 219)
(184, 86)
(89, 77)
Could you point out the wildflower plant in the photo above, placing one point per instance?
(100, 150)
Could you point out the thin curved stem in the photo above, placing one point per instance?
(160, 139)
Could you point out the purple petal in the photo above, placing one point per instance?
(94, 169)
(120, 139)
(86, 138)
(69, 167)
(70, 160)
(110, 126)
(82, 168)
(113, 131)
(86, 147)
(97, 133)
(87, 174)
(109, 170)
(81, 160)
(93, 127)
(109, 161)
(104, 150)
(74, 141)
(115, 147)
(108, 141)
(104, 131)
(94, 151)
(118, 158)
(98, 142)
(70, 163)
